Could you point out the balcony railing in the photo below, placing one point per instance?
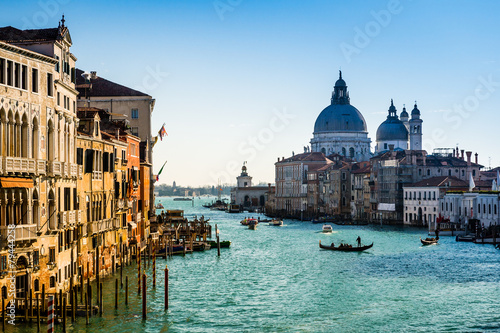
(65, 169)
(62, 220)
(23, 232)
(41, 166)
(55, 168)
(19, 164)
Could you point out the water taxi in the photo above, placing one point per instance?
(327, 228)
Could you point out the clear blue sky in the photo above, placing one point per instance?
(225, 72)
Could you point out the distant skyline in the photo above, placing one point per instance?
(239, 80)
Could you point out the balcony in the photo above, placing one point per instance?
(73, 170)
(80, 171)
(65, 169)
(120, 204)
(62, 220)
(23, 232)
(55, 168)
(71, 217)
(19, 165)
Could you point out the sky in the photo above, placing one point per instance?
(240, 80)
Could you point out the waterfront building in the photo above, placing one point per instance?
(360, 180)
(123, 103)
(246, 195)
(421, 199)
(340, 128)
(335, 188)
(38, 169)
(460, 208)
(292, 182)
(99, 231)
(392, 170)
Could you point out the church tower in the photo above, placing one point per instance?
(415, 129)
(244, 180)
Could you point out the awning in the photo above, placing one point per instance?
(7, 182)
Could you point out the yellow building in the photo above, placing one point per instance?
(38, 171)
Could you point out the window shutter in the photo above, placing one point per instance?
(89, 160)
(112, 162)
(105, 162)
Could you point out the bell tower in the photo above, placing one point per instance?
(244, 180)
(415, 129)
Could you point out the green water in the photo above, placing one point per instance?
(276, 279)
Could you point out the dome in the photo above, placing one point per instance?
(403, 114)
(340, 118)
(415, 111)
(392, 128)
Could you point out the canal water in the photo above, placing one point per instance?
(276, 279)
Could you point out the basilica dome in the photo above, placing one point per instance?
(340, 116)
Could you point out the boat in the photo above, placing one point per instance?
(276, 223)
(159, 206)
(252, 224)
(429, 241)
(263, 220)
(202, 246)
(465, 238)
(223, 244)
(182, 199)
(247, 221)
(346, 247)
(327, 228)
(233, 208)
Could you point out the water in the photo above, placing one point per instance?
(276, 279)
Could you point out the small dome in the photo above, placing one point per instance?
(340, 82)
(415, 111)
(340, 118)
(403, 114)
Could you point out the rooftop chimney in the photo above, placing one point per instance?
(476, 157)
(93, 75)
(469, 154)
(462, 151)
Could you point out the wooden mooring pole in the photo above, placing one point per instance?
(64, 314)
(166, 287)
(144, 311)
(37, 313)
(154, 265)
(138, 273)
(116, 294)
(86, 308)
(218, 240)
(100, 300)
(126, 290)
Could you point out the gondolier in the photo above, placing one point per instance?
(359, 241)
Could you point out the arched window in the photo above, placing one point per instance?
(449, 172)
(50, 142)
(36, 209)
(36, 285)
(323, 150)
(351, 152)
(52, 282)
(34, 140)
(24, 137)
(52, 211)
(343, 151)
(3, 131)
(489, 209)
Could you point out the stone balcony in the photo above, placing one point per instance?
(23, 165)
(55, 168)
(23, 233)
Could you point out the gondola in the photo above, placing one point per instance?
(345, 248)
(429, 241)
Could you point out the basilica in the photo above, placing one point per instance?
(341, 129)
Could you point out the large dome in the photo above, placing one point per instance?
(340, 118)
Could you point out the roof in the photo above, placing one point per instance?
(100, 87)
(441, 181)
(307, 157)
(11, 34)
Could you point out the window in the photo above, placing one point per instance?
(2, 71)
(135, 113)
(385, 146)
(10, 70)
(17, 75)
(52, 283)
(135, 131)
(50, 85)
(37, 285)
(34, 80)
(56, 67)
(52, 254)
(428, 172)
(36, 258)
(3, 263)
(24, 77)
(79, 156)
(59, 99)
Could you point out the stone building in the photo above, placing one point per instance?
(38, 169)
(245, 194)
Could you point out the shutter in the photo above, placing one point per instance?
(105, 162)
(79, 156)
(89, 160)
(112, 162)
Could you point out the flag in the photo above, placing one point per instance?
(155, 140)
(471, 182)
(162, 132)
(157, 178)
(159, 172)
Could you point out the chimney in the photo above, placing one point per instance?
(93, 75)
(462, 151)
(469, 154)
(475, 155)
(278, 159)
